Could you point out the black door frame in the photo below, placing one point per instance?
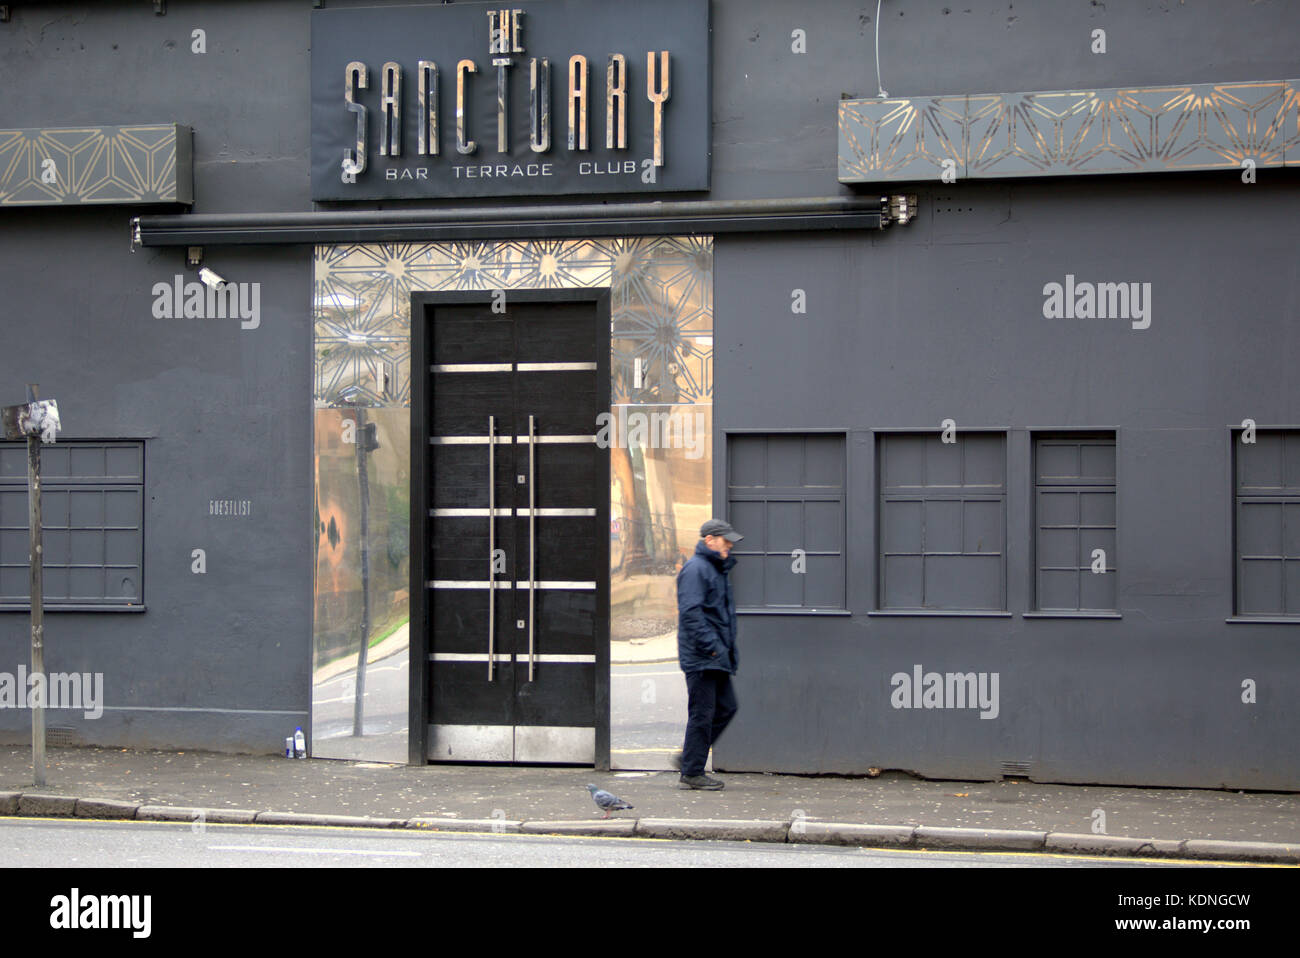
(418, 721)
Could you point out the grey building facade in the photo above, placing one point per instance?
(999, 385)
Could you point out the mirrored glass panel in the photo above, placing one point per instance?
(360, 676)
(660, 432)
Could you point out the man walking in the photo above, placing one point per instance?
(706, 648)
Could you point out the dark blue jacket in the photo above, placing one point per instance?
(706, 613)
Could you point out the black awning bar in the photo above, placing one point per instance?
(615, 219)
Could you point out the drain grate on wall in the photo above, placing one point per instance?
(58, 736)
(1016, 769)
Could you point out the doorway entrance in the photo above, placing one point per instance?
(510, 524)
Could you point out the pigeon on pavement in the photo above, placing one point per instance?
(606, 801)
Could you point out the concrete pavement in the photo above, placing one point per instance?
(893, 810)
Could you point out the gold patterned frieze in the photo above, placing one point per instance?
(97, 165)
(1200, 126)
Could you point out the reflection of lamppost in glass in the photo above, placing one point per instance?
(37, 422)
(367, 442)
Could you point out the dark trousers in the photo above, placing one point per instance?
(711, 706)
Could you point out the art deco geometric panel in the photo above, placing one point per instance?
(1069, 133)
(1291, 124)
(97, 165)
(907, 139)
(661, 298)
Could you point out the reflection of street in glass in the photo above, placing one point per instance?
(647, 702)
(658, 498)
(361, 584)
(383, 707)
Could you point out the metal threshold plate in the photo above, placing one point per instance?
(555, 743)
(561, 744)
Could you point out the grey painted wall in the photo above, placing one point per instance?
(218, 660)
(938, 319)
(775, 111)
(944, 319)
(223, 411)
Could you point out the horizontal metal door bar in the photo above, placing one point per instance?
(554, 367)
(545, 440)
(470, 368)
(505, 584)
(465, 584)
(482, 513)
(506, 440)
(510, 367)
(469, 440)
(554, 584)
(557, 658)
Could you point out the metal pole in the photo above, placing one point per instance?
(37, 587)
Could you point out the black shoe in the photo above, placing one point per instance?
(675, 760)
(700, 781)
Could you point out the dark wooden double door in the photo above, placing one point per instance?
(517, 529)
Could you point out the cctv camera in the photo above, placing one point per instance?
(211, 279)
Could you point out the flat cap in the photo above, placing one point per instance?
(716, 527)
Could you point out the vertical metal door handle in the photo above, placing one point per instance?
(532, 547)
(492, 538)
